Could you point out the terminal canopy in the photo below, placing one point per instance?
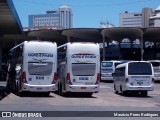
(83, 35)
(152, 34)
(120, 33)
(48, 35)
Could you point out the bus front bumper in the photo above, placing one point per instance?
(38, 88)
(83, 88)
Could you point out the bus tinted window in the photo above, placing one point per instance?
(81, 69)
(40, 68)
(139, 69)
(107, 64)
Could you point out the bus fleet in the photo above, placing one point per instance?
(74, 67)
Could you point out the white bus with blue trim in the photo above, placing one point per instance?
(156, 68)
(78, 68)
(33, 67)
(134, 76)
(108, 69)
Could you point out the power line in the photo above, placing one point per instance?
(100, 5)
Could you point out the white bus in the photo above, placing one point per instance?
(33, 67)
(107, 69)
(156, 68)
(134, 76)
(78, 68)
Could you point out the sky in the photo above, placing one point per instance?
(86, 13)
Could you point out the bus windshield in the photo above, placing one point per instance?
(107, 64)
(83, 69)
(139, 68)
(35, 68)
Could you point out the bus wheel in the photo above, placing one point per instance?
(8, 86)
(16, 89)
(144, 93)
(60, 89)
(116, 92)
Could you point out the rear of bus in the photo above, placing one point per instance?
(156, 68)
(83, 67)
(139, 77)
(39, 66)
(107, 69)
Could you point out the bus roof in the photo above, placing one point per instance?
(154, 60)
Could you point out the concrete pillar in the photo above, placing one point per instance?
(142, 50)
(0, 53)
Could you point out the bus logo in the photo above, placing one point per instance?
(40, 55)
(83, 56)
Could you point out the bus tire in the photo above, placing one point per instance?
(60, 90)
(8, 84)
(115, 91)
(16, 88)
(124, 93)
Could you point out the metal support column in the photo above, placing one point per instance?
(68, 38)
(104, 48)
(142, 50)
(0, 53)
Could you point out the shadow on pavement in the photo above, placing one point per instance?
(77, 95)
(3, 92)
(134, 95)
(106, 81)
(35, 94)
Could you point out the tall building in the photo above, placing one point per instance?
(146, 14)
(130, 19)
(146, 18)
(155, 19)
(54, 19)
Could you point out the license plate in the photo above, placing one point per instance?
(39, 88)
(83, 87)
(89, 83)
(140, 88)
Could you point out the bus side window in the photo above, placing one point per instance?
(123, 71)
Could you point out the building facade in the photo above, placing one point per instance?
(155, 19)
(146, 18)
(130, 19)
(57, 19)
